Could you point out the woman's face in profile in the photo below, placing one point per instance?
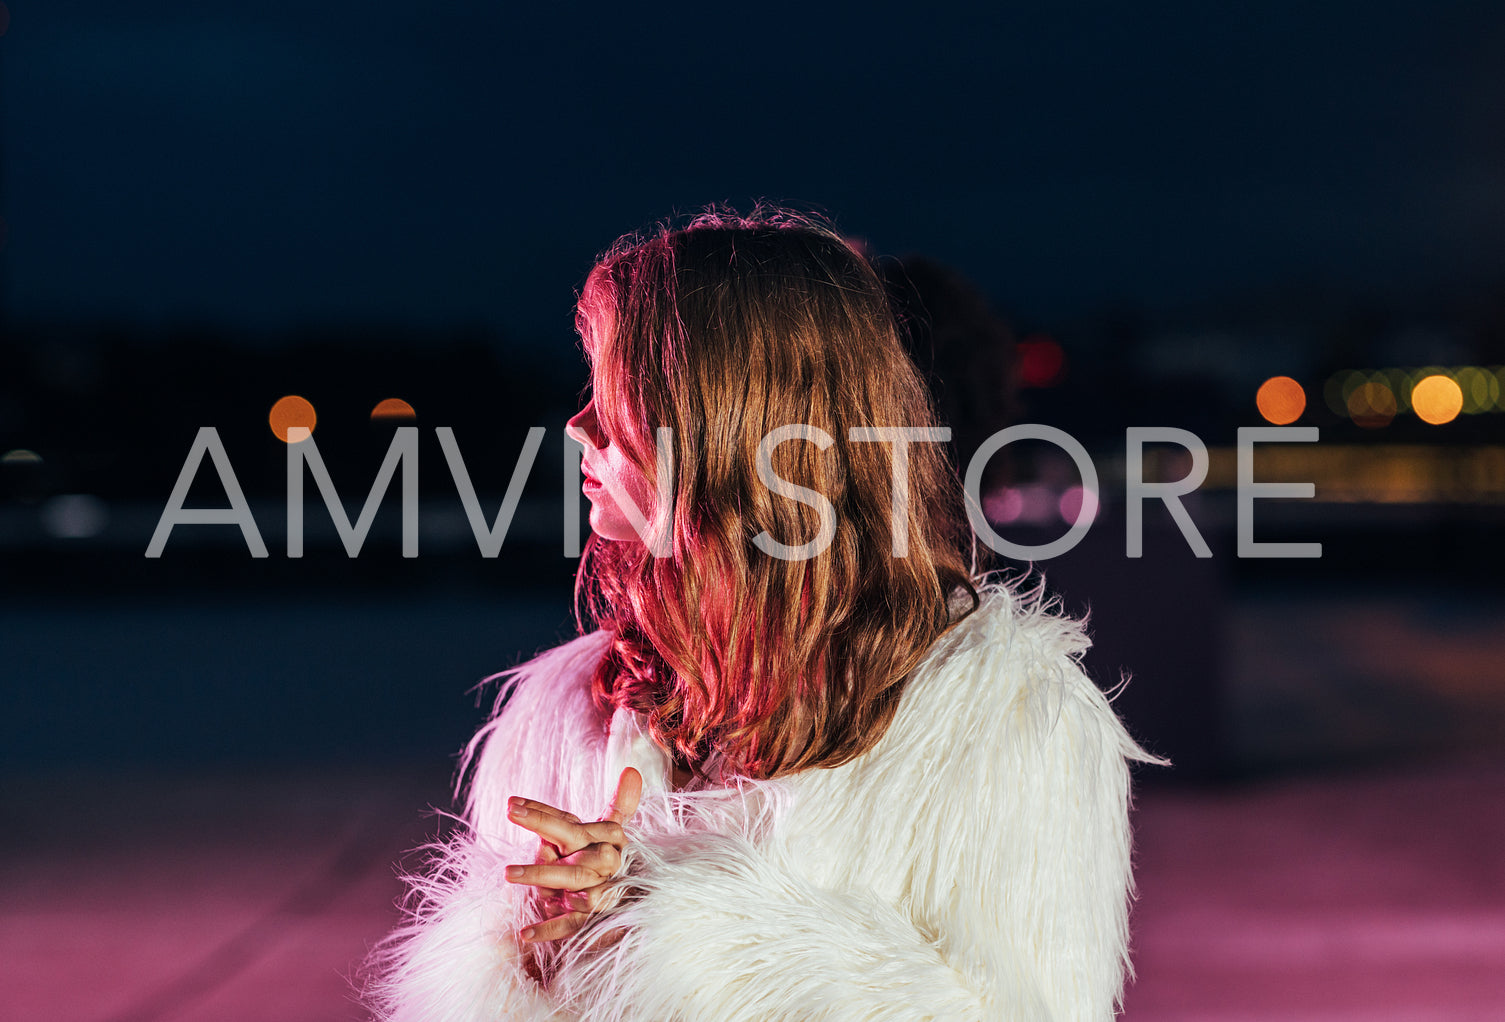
(610, 480)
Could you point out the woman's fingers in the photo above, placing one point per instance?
(574, 907)
(603, 860)
(559, 876)
(567, 836)
(575, 859)
(550, 822)
(534, 806)
(557, 928)
(629, 792)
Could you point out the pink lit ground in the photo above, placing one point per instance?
(1363, 896)
(1376, 896)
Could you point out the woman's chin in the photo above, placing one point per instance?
(607, 527)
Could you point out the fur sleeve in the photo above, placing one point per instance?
(716, 929)
(974, 865)
(455, 958)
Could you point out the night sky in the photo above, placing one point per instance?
(259, 166)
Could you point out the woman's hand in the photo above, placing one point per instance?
(574, 862)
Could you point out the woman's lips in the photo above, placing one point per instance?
(591, 481)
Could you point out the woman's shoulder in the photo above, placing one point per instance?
(1009, 673)
(565, 667)
(546, 735)
(553, 689)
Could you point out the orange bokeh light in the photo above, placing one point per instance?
(1437, 399)
(290, 411)
(392, 408)
(1280, 400)
(1372, 405)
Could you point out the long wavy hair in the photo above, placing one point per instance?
(725, 329)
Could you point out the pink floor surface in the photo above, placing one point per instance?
(1377, 896)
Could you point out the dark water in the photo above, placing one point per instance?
(1225, 679)
(222, 679)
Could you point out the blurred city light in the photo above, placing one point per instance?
(392, 408)
(1474, 390)
(1042, 363)
(1372, 404)
(1003, 506)
(74, 516)
(290, 411)
(1437, 399)
(1374, 473)
(1077, 503)
(1401, 382)
(1479, 389)
(20, 456)
(1029, 504)
(1335, 393)
(1280, 400)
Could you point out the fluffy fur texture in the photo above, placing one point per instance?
(974, 864)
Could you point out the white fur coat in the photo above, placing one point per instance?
(973, 865)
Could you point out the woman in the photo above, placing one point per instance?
(825, 772)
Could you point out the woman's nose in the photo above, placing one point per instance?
(583, 427)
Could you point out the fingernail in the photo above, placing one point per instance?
(518, 811)
(528, 933)
(514, 872)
